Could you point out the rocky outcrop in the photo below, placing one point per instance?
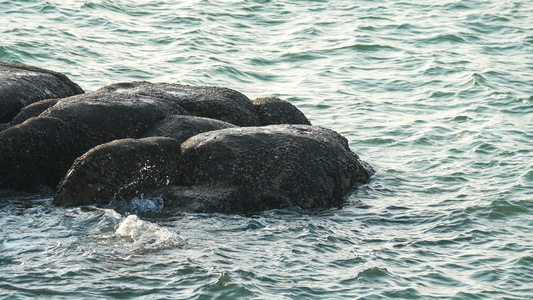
(229, 170)
(258, 168)
(21, 85)
(194, 149)
(203, 101)
(103, 116)
(70, 128)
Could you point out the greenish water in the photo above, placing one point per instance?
(437, 95)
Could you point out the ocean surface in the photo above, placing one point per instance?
(436, 95)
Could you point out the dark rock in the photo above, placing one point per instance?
(216, 199)
(21, 85)
(258, 168)
(102, 116)
(32, 110)
(79, 123)
(129, 167)
(35, 154)
(198, 198)
(182, 128)
(203, 101)
(276, 111)
(230, 170)
(192, 158)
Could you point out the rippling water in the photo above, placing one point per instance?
(436, 95)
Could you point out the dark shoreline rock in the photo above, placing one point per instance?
(275, 166)
(202, 101)
(21, 85)
(276, 111)
(80, 123)
(32, 110)
(179, 145)
(128, 166)
(233, 170)
(36, 154)
(100, 117)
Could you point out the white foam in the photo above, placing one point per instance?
(146, 235)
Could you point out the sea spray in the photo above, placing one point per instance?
(144, 235)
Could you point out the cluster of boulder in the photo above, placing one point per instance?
(193, 148)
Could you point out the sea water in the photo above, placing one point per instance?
(436, 95)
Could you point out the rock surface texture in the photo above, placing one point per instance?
(191, 149)
(22, 85)
(127, 166)
(259, 168)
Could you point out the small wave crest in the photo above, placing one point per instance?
(148, 236)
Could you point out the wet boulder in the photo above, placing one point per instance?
(182, 127)
(207, 199)
(21, 85)
(36, 154)
(203, 101)
(257, 168)
(239, 169)
(276, 111)
(126, 167)
(68, 129)
(180, 145)
(103, 116)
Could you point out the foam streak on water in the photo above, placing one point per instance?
(437, 95)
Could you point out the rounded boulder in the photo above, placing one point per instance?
(130, 167)
(276, 111)
(36, 154)
(258, 168)
(21, 85)
(203, 101)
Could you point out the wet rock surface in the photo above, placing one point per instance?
(126, 168)
(36, 154)
(182, 128)
(192, 149)
(21, 85)
(276, 111)
(203, 101)
(32, 110)
(102, 116)
(274, 166)
(79, 123)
